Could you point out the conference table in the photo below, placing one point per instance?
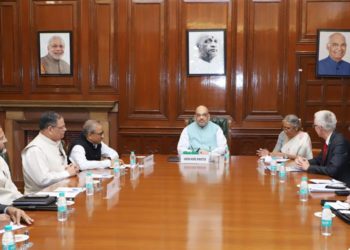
(170, 205)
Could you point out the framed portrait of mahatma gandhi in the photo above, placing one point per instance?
(206, 52)
(333, 55)
(55, 53)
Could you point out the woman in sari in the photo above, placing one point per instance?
(292, 141)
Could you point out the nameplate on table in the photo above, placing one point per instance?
(200, 159)
(112, 188)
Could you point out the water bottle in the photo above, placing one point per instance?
(61, 207)
(116, 172)
(304, 189)
(8, 239)
(132, 159)
(326, 220)
(282, 173)
(273, 167)
(227, 155)
(116, 162)
(89, 184)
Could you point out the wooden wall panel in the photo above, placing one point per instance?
(213, 91)
(265, 59)
(60, 16)
(147, 88)
(10, 72)
(102, 49)
(322, 93)
(322, 14)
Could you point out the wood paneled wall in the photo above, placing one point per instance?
(133, 52)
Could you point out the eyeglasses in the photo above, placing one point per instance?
(100, 134)
(287, 128)
(204, 114)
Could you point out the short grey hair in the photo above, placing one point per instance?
(293, 120)
(326, 119)
(90, 126)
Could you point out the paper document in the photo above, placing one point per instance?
(339, 205)
(70, 192)
(326, 181)
(101, 176)
(322, 188)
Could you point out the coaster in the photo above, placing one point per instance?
(69, 203)
(21, 237)
(319, 214)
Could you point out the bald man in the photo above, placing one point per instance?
(202, 136)
(207, 47)
(334, 63)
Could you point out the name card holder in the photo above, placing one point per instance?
(199, 159)
(148, 161)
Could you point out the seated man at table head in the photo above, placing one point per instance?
(8, 190)
(8, 214)
(291, 142)
(202, 136)
(334, 159)
(89, 151)
(44, 159)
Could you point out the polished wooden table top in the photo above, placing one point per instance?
(173, 206)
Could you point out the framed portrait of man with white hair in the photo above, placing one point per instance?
(55, 53)
(333, 54)
(206, 52)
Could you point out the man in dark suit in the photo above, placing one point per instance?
(8, 213)
(334, 159)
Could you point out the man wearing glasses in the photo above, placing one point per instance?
(334, 159)
(44, 160)
(89, 151)
(334, 63)
(202, 136)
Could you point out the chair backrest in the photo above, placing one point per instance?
(223, 122)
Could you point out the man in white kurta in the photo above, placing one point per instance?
(202, 136)
(8, 190)
(44, 160)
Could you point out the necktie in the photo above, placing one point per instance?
(324, 153)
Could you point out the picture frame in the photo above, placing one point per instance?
(55, 53)
(333, 56)
(206, 52)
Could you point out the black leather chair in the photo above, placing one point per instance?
(223, 122)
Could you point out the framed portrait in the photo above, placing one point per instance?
(206, 52)
(333, 55)
(55, 53)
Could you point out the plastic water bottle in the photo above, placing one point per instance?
(116, 172)
(326, 220)
(132, 159)
(62, 207)
(304, 189)
(273, 167)
(8, 239)
(116, 162)
(227, 155)
(89, 184)
(282, 173)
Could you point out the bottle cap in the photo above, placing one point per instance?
(304, 178)
(8, 227)
(88, 174)
(116, 169)
(326, 205)
(61, 194)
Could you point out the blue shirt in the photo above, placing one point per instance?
(328, 66)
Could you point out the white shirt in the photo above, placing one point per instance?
(44, 162)
(8, 190)
(77, 156)
(184, 143)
